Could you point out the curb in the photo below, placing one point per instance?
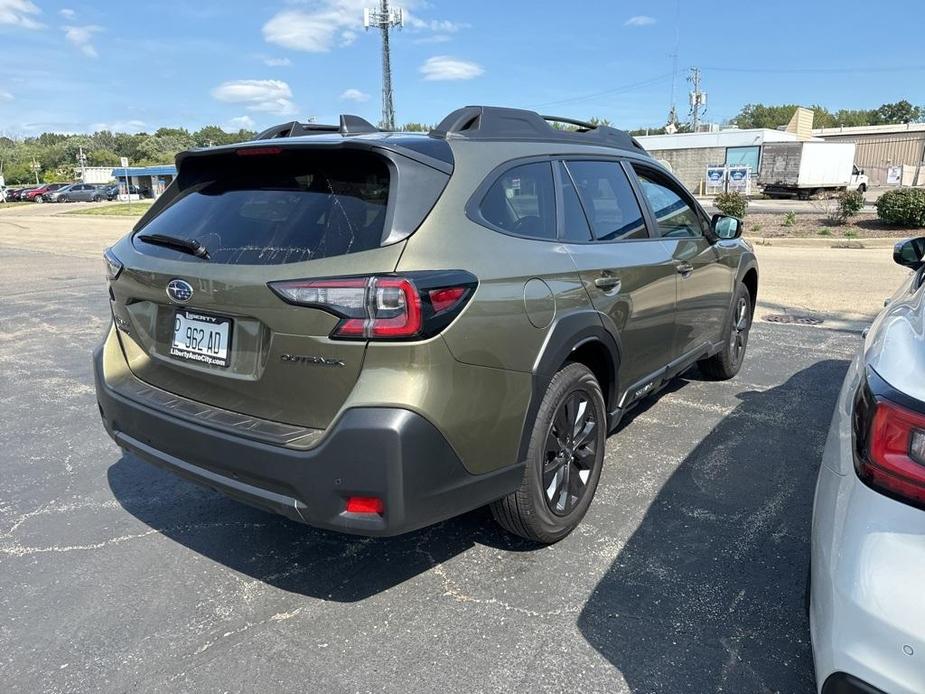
(863, 244)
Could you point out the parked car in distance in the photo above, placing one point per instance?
(867, 613)
(112, 190)
(58, 195)
(371, 332)
(40, 193)
(81, 192)
(14, 194)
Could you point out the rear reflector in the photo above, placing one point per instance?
(365, 504)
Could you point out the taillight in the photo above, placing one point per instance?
(891, 457)
(385, 307)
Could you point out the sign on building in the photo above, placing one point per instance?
(716, 179)
(740, 179)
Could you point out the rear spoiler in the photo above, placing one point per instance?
(349, 125)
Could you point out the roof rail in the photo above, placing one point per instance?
(496, 123)
(349, 125)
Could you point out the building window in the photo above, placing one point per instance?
(744, 156)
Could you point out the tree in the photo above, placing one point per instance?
(416, 128)
(899, 112)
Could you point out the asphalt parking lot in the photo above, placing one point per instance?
(686, 576)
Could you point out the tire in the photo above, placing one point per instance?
(38, 198)
(559, 460)
(862, 188)
(97, 198)
(726, 364)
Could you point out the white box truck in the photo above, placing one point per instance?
(805, 169)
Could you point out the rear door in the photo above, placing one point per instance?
(704, 284)
(628, 273)
(211, 329)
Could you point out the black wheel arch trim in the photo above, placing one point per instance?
(567, 334)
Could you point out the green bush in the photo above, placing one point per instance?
(850, 202)
(790, 219)
(902, 207)
(734, 204)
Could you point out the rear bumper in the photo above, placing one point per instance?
(867, 617)
(387, 452)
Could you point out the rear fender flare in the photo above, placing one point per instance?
(565, 336)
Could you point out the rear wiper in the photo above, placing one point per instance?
(186, 245)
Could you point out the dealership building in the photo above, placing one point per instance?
(880, 148)
(689, 154)
(151, 180)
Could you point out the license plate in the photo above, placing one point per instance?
(201, 338)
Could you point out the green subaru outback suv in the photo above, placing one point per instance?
(370, 331)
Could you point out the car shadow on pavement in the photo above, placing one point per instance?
(286, 554)
(707, 594)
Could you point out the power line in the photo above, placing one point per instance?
(797, 70)
(616, 90)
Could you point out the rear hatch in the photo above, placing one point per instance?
(196, 315)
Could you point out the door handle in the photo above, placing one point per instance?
(607, 282)
(685, 269)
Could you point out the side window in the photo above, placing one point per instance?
(608, 200)
(675, 217)
(523, 201)
(574, 222)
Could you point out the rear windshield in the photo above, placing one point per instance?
(273, 209)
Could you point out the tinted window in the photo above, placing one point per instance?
(573, 217)
(674, 216)
(277, 209)
(608, 200)
(522, 201)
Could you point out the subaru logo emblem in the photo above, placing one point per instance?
(179, 291)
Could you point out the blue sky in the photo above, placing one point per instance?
(78, 66)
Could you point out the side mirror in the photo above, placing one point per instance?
(727, 228)
(910, 253)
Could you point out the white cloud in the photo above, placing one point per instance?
(354, 95)
(435, 38)
(443, 26)
(82, 38)
(639, 21)
(277, 62)
(326, 24)
(265, 96)
(5, 96)
(444, 67)
(20, 13)
(239, 123)
(67, 13)
(122, 126)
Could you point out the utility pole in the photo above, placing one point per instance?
(384, 19)
(672, 125)
(82, 162)
(35, 169)
(698, 98)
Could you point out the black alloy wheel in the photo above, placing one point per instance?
(571, 452)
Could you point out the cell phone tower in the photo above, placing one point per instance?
(384, 18)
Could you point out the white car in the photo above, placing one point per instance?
(867, 583)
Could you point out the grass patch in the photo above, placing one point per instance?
(14, 203)
(824, 231)
(851, 234)
(117, 209)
